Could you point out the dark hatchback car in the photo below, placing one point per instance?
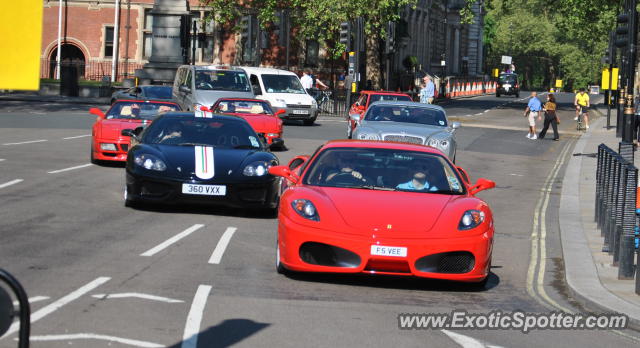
(145, 92)
(508, 84)
(218, 160)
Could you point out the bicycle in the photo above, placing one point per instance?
(323, 98)
(580, 126)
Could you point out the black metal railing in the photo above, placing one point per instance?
(615, 207)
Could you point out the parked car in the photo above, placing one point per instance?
(212, 160)
(144, 92)
(409, 122)
(195, 86)
(107, 144)
(508, 84)
(257, 112)
(383, 208)
(365, 100)
(284, 91)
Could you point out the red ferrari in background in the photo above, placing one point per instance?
(257, 112)
(107, 142)
(383, 208)
(365, 100)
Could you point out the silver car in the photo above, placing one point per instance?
(408, 122)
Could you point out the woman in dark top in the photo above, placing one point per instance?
(550, 117)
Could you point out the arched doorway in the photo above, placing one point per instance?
(69, 54)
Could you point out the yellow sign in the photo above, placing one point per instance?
(351, 54)
(558, 83)
(496, 72)
(21, 33)
(354, 87)
(605, 79)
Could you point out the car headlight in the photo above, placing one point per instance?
(306, 209)
(272, 134)
(314, 103)
(107, 147)
(368, 136)
(439, 144)
(470, 219)
(150, 162)
(256, 169)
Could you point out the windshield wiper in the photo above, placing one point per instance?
(378, 188)
(195, 144)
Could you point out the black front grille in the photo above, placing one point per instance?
(404, 139)
(452, 262)
(152, 189)
(124, 147)
(299, 106)
(328, 255)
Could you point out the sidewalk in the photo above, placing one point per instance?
(35, 97)
(590, 276)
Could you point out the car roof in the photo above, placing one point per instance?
(273, 71)
(385, 93)
(148, 101)
(185, 115)
(378, 144)
(407, 103)
(212, 67)
(244, 99)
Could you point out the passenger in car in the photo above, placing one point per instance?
(418, 181)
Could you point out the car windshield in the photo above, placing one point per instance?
(138, 110)
(508, 79)
(222, 80)
(160, 92)
(380, 97)
(282, 84)
(407, 114)
(192, 131)
(383, 169)
(243, 107)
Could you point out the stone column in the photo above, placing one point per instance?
(166, 52)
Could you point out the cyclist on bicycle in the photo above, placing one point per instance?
(582, 106)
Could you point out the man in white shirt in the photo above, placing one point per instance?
(306, 80)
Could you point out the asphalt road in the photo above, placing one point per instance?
(102, 275)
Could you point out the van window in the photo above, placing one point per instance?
(222, 80)
(187, 79)
(282, 84)
(256, 85)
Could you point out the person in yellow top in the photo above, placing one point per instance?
(582, 106)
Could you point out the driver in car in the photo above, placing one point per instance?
(336, 164)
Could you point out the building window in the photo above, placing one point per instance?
(108, 41)
(147, 34)
(313, 50)
(146, 53)
(148, 19)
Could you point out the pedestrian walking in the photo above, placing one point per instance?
(531, 112)
(550, 118)
(428, 90)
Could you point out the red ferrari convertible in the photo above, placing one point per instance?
(107, 144)
(257, 112)
(383, 208)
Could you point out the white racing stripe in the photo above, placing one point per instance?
(171, 240)
(91, 336)
(137, 295)
(194, 319)
(68, 169)
(216, 257)
(77, 136)
(26, 142)
(12, 182)
(52, 307)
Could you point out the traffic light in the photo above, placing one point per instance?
(345, 34)
(390, 44)
(245, 26)
(622, 31)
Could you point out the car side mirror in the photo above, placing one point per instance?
(97, 112)
(355, 117)
(276, 143)
(360, 107)
(184, 89)
(285, 172)
(455, 125)
(280, 112)
(256, 90)
(464, 175)
(481, 185)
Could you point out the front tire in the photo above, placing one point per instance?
(128, 202)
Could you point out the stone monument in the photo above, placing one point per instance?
(166, 51)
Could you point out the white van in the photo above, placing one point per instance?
(283, 90)
(202, 85)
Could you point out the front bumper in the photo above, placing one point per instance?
(294, 113)
(120, 155)
(464, 259)
(250, 194)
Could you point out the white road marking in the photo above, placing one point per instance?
(513, 174)
(478, 114)
(222, 245)
(68, 169)
(137, 295)
(12, 182)
(171, 240)
(1, 159)
(466, 341)
(52, 307)
(192, 326)
(91, 336)
(487, 110)
(26, 142)
(33, 299)
(77, 136)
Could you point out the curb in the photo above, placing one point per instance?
(581, 275)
